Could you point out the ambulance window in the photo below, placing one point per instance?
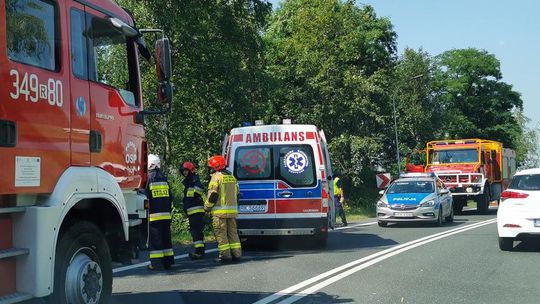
(33, 33)
(109, 59)
(296, 165)
(253, 163)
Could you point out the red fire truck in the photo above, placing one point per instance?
(472, 169)
(72, 145)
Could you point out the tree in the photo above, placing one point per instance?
(475, 100)
(331, 63)
(217, 72)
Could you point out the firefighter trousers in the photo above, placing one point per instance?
(196, 227)
(161, 251)
(226, 233)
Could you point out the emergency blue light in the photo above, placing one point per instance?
(246, 124)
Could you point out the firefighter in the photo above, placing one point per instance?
(339, 199)
(160, 200)
(194, 198)
(222, 202)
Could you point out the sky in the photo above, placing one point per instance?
(507, 29)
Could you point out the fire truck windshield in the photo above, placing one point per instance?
(454, 156)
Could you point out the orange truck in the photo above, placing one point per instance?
(72, 145)
(474, 169)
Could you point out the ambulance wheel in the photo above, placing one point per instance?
(382, 224)
(82, 268)
(320, 239)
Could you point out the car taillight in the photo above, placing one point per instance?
(512, 194)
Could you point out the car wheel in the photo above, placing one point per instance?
(82, 267)
(450, 218)
(506, 244)
(382, 224)
(439, 221)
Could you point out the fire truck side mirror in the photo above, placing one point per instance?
(165, 93)
(163, 59)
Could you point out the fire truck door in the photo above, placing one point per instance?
(80, 89)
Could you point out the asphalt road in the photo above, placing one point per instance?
(455, 263)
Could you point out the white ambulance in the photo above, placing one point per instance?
(285, 180)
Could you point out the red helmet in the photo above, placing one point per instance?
(216, 163)
(188, 166)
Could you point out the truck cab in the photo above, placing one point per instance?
(72, 144)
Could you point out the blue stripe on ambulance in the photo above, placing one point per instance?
(265, 190)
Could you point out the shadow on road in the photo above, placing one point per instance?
(211, 296)
(207, 264)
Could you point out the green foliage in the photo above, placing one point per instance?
(476, 102)
(331, 63)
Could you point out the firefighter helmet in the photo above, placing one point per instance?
(188, 166)
(153, 161)
(216, 163)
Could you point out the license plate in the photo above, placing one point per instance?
(536, 222)
(251, 208)
(403, 214)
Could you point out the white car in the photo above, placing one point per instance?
(518, 216)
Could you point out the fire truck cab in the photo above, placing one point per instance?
(285, 180)
(471, 169)
(72, 145)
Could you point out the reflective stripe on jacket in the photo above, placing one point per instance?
(194, 195)
(226, 186)
(159, 195)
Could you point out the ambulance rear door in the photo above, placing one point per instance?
(298, 189)
(253, 166)
(328, 179)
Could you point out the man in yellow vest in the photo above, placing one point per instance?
(222, 202)
(339, 199)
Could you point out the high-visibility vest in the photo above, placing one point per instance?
(337, 189)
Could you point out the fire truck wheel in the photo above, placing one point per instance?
(457, 205)
(82, 269)
(482, 204)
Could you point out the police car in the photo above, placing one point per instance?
(415, 197)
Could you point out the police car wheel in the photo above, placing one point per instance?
(439, 221)
(450, 218)
(82, 269)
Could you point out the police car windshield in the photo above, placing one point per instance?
(454, 156)
(411, 187)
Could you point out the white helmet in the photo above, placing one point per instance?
(153, 161)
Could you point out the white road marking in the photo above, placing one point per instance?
(129, 267)
(354, 266)
(357, 225)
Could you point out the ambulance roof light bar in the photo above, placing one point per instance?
(259, 123)
(287, 121)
